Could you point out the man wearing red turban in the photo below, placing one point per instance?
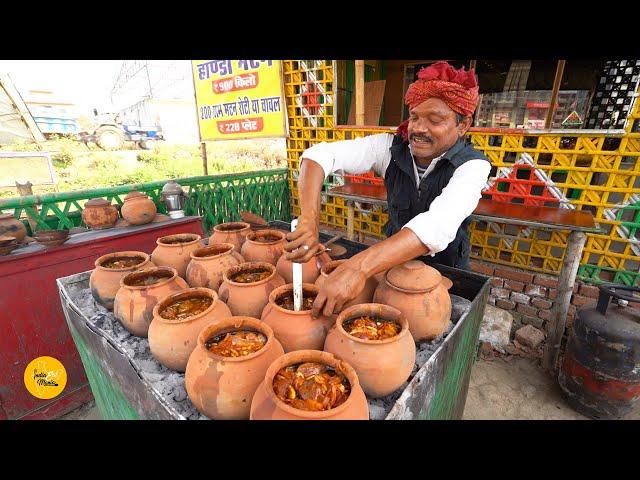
(433, 180)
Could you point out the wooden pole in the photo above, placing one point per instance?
(472, 64)
(566, 280)
(203, 154)
(25, 190)
(554, 93)
(359, 92)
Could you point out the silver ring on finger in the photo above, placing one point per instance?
(306, 247)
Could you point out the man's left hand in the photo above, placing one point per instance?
(342, 285)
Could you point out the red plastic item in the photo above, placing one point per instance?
(369, 178)
(522, 189)
(33, 323)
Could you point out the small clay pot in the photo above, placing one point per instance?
(267, 406)
(310, 269)
(12, 227)
(208, 264)
(382, 365)
(365, 296)
(99, 214)
(104, 282)
(255, 250)
(248, 299)
(230, 232)
(172, 341)
(296, 330)
(133, 305)
(222, 387)
(175, 251)
(418, 291)
(138, 209)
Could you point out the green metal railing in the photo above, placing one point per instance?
(217, 198)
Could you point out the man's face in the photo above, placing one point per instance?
(433, 130)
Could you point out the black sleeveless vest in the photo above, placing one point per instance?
(405, 200)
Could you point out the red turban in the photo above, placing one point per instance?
(457, 88)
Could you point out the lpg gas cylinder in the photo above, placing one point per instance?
(600, 374)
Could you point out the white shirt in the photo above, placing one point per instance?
(437, 227)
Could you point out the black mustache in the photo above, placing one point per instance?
(413, 135)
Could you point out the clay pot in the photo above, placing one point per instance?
(248, 299)
(365, 296)
(230, 232)
(133, 305)
(175, 251)
(310, 269)
(222, 387)
(296, 330)
(104, 282)
(209, 263)
(267, 406)
(382, 365)
(172, 341)
(138, 209)
(99, 214)
(12, 227)
(255, 251)
(418, 291)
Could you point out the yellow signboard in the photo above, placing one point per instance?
(239, 99)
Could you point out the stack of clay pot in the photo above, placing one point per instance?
(248, 299)
(234, 233)
(264, 246)
(175, 251)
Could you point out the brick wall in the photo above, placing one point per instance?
(530, 296)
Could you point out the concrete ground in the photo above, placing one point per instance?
(501, 388)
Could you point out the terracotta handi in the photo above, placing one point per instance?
(178, 320)
(264, 246)
(230, 232)
(138, 209)
(266, 404)
(220, 385)
(310, 269)
(384, 357)
(296, 330)
(104, 281)
(139, 292)
(418, 291)
(99, 214)
(365, 296)
(208, 264)
(175, 251)
(12, 227)
(246, 287)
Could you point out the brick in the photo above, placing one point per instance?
(569, 322)
(491, 301)
(505, 304)
(545, 314)
(572, 311)
(580, 301)
(497, 282)
(514, 285)
(482, 268)
(520, 298)
(589, 291)
(527, 310)
(514, 275)
(530, 336)
(536, 290)
(500, 292)
(533, 321)
(541, 303)
(546, 281)
(553, 293)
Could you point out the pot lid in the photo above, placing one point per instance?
(134, 194)
(97, 202)
(414, 276)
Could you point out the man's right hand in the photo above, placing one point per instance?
(305, 234)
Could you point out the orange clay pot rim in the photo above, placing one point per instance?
(232, 323)
(423, 290)
(286, 288)
(228, 246)
(244, 226)
(195, 239)
(312, 355)
(6, 216)
(196, 291)
(333, 263)
(246, 266)
(150, 271)
(348, 314)
(263, 233)
(127, 253)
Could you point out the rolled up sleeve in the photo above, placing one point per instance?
(437, 227)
